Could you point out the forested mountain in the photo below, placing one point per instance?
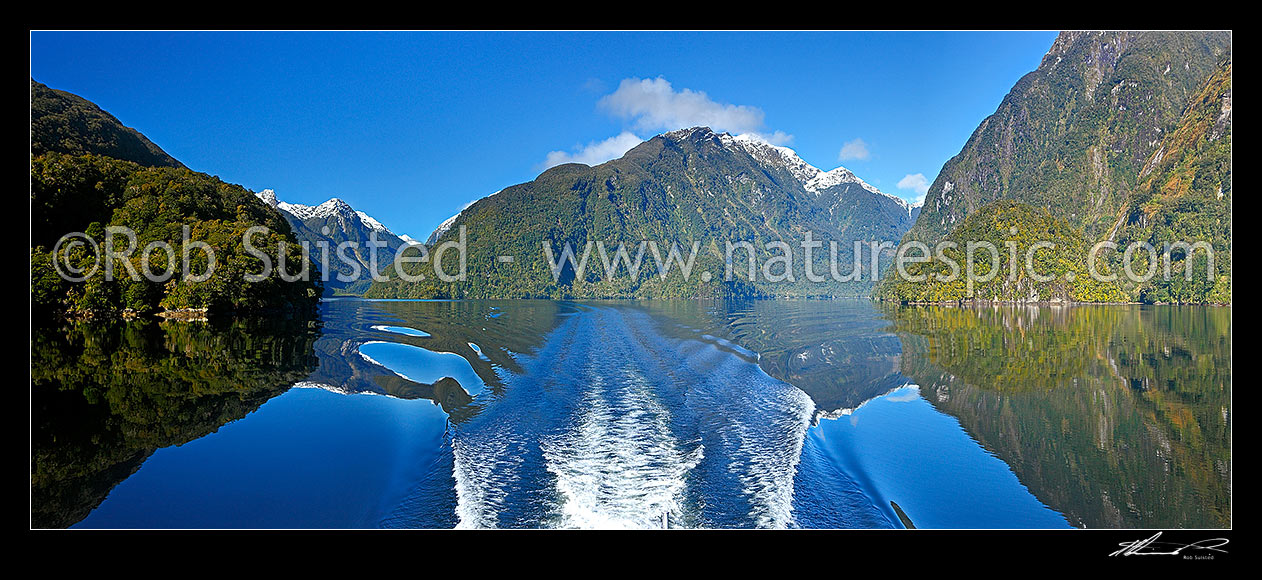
(1125, 137)
(683, 187)
(1184, 194)
(1073, 135)
(1060, 273)
(78, 185)
(67, 123)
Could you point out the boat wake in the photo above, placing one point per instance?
(611, 424)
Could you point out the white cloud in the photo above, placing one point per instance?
(654, 105)
(855, 149)
(596, 152)
(915, 182)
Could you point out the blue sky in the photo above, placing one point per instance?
(411, 127)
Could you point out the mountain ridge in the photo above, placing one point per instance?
(812, 178)
(63, 122)
(89, 172)
(1071, 135)
(1123, 135)
(333, 222)
(678, 187)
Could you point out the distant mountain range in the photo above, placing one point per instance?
(334, 222)
(837, 182)
(679, 187)
(1116, 136)
(83, 160)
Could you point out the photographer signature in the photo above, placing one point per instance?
(1151, 547)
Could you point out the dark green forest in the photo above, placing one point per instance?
(1058, 273)
(90, 174)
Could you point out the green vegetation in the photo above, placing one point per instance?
(1073, 135)
(105, 395)
(66, 123)
(1116, 416)
(1185, 196)
(78, 185)
(1126, 137)
(677, 188)
(156, 203)
(1058, 273)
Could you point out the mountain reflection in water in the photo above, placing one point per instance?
(105, 396)
(653, 413)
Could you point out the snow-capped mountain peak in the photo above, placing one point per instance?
(842, 175)
(838, 176)
(451, 221)
(372, 223)
(268, 196)
(812, 178)
(334, 208)
(774, 154)
(756, 146)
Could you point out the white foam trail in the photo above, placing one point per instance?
(631, 455)
(760, 426)
(767, 465)
(620, 467)
(484, 465)
(370, 359)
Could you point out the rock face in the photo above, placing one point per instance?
(1073, 135)
(1184, 194)
(185, 314)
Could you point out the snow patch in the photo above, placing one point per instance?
(268, 196)
(443, 228)
(372, 223)
(767, 153)
(451, 221)
(332, 208)
(812, 178)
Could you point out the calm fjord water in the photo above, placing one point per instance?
(640, 414)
